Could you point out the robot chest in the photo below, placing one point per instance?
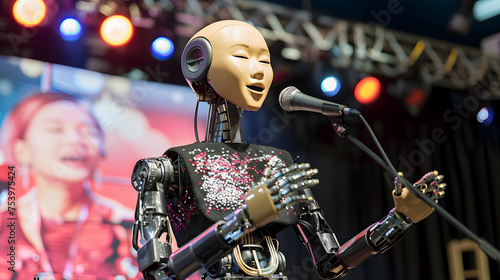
(221, 181)
(217, 180)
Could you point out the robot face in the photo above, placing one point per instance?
(241, 68)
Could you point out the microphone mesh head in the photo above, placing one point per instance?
(286, 97)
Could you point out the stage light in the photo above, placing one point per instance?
(162, 48)
(29, 13)
(416, 97)
(116, 30)
(330, 86)
(291, 54)
(70, 29)
(486, 9)
(367, 90)
(485, 116)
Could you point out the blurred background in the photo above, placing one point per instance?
(424, 74)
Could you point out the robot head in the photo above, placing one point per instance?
(234, 58)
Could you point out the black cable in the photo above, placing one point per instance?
(196, 121)
(382, 152)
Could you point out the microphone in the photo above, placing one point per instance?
(291, 99)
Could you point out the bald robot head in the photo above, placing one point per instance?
(234, 58)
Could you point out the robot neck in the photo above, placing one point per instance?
(223, 124)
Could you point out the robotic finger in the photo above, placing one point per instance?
(272, 178)
(299, 186)
(284, 178)
(436, 189)
(303, 174)
(426, 179)
(302, 198)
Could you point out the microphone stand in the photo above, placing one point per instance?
(491, 251)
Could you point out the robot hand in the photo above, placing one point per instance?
(278, 190)
(382, 235)
(410, 205)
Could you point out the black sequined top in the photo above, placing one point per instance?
(216, 177)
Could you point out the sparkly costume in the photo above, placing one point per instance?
(217, 178)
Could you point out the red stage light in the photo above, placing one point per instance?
(416, 97)
(29, 13)
(367, 90)
(116, 30)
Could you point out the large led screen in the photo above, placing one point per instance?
(70, 140)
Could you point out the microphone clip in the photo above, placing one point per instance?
(340, 129)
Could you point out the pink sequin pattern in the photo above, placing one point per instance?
(227, 177)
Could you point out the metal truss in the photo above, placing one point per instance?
(365, 47)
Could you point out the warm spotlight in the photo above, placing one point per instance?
(116, 30)
(367, 90)
(29, 13)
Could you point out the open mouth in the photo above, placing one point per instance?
(73, 160)
(256, 87)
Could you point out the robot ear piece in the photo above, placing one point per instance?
(196, 59)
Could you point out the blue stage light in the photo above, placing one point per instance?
(330, 86)
(485, 116)
(162, 48)
(70, 29)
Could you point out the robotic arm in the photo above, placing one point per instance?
(332, 260)
(154, 177)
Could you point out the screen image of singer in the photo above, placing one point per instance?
(69, 141)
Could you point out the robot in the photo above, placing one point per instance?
(224, 200)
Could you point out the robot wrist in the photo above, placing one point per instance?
(332, 268)
(389, 230)
(236, 225)
(322, 246)
(260, 206)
